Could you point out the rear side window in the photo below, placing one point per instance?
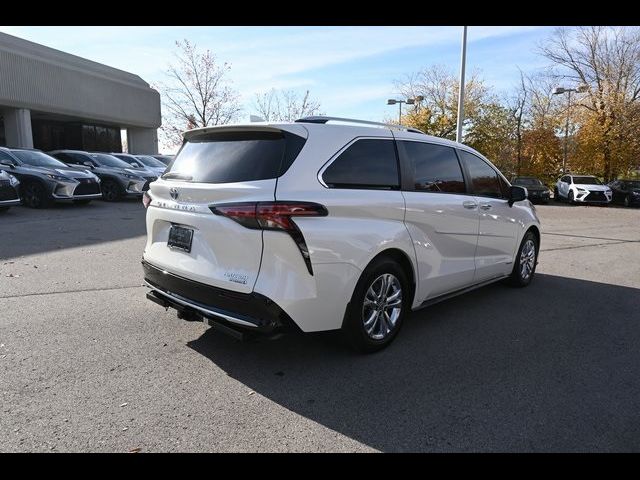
(435, 168)
(366, 163)
(228, 157)
(484, 178)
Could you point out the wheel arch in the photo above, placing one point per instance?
(400, 257)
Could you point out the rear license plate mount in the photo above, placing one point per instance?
(180, 238)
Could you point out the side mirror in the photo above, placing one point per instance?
(517, 194)
(7, 163)
(88, 164)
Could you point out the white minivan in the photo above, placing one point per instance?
(329, 223)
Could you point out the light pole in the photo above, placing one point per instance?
(408, 101)
(560, 91)
(461, 90)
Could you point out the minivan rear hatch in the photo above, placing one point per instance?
(217, 166)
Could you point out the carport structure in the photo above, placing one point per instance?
(51, 100)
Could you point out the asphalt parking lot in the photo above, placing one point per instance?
(88, 364)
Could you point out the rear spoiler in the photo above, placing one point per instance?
(294, 128)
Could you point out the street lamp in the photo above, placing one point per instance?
(560, 91)
(408, 101)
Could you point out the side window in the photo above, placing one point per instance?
(78, 159)
(63, 157)
(367, 163)
(484, 179)
(435, 168)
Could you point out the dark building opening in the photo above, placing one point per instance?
(54, 135)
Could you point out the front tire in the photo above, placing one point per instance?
(627, 201)
(110, 191)
(556, 195)
(378, 306)
(526, 260)
(34, 195)
(571, 198)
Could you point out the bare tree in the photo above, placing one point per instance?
(285, 105)
(437, 113)
(607, 60)
(517, 108)
(196, 93)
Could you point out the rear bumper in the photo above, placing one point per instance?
(247, 312)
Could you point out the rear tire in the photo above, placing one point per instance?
(110, 191)
(378, 306)
(525, 262)
(627, 201)
(556, 195)
(34, 195)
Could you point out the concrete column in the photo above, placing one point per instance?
(142, 140)
(17, 127)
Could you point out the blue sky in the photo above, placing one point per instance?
(350, 70)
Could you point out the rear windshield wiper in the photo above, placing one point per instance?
(178, 175)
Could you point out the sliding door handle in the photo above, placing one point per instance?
(469, 205)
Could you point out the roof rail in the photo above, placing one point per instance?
(324, 119)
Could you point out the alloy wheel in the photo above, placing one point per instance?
(382, 306)
(527, 259)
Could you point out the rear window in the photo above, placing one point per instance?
(228, 157)
(367, 163)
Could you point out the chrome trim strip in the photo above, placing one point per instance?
(186, 303)
(77, 197)
(15, 201)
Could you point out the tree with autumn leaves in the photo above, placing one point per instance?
(523, 132)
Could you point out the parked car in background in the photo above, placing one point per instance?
(581, 189)
(166, 159)
(317, 225)
(537, 191)
(44, 180)
(626, 192)
(156, 166)
(9, 195)
(118, 179)
(137, 165)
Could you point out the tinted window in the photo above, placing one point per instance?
(586, 181)
(236, 156)
(150, 161)
(565, 179)
(527, 182)
(37, 159)
(435, 168)
(105, 160)
(367, 163)
(69, 158)
(483, 177)
(5, 157)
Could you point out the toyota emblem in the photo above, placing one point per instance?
(174, 193)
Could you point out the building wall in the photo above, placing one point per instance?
(43, 79)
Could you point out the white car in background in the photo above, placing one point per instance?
(582, 189)
(329, 223)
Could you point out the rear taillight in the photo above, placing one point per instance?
(146, 199)
(274, 216)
